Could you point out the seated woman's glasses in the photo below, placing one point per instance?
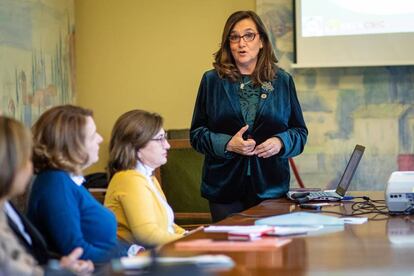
(162, 138)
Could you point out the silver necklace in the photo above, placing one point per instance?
(243, 84)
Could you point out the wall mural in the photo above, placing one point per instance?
(372, 106)
(37, 56)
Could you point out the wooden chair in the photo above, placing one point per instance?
(296, 173)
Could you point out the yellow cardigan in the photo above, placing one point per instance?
(140, 215)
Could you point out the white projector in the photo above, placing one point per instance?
(399, 194)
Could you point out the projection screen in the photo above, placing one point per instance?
(342, 33)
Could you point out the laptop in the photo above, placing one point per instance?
(339, 193)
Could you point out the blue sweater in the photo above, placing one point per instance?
(69, 216)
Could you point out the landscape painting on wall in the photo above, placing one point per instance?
(37, 56)
(372, 106)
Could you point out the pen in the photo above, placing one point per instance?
(201, 227)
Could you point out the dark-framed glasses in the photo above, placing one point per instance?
(161, 138)
(247, 37)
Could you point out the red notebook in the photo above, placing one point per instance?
(264, 244)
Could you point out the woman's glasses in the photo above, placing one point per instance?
(247, 37)
(161, 139)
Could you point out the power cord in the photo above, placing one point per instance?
(365, 207)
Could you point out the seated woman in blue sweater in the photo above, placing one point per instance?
(22, 249)
(65, 143)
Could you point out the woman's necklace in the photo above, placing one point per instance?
(266, 86)
(243, 84)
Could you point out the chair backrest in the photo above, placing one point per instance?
(97, 183)
(96, 180)
(180, 180)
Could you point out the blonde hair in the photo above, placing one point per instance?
(59, 139)
(15, 151)
(132, 131)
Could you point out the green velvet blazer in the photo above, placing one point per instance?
(217, 117)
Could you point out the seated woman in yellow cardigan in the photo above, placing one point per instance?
(138, 146)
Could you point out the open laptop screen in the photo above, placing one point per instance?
(350, 170)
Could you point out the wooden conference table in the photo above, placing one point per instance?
(384, 247)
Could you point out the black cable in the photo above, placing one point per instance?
(366, 207)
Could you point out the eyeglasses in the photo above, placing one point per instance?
(161, 139)
(247, 37)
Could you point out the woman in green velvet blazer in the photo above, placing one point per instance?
(247, 120)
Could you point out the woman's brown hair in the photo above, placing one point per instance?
(266, 63)
(132, 131)
(59, 139)
(15, 151)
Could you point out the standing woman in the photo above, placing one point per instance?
(247, 120)
(138, 146)
(65, 143)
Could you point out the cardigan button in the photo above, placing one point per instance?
(263, 96)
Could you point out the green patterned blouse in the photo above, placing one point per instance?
(249, 102)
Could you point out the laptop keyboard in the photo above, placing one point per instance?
(323, 195)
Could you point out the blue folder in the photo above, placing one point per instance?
(300, 219)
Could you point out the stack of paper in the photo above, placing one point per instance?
(252, 232)
(249, 233)
(301, 219)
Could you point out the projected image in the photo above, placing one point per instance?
(355, 17)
